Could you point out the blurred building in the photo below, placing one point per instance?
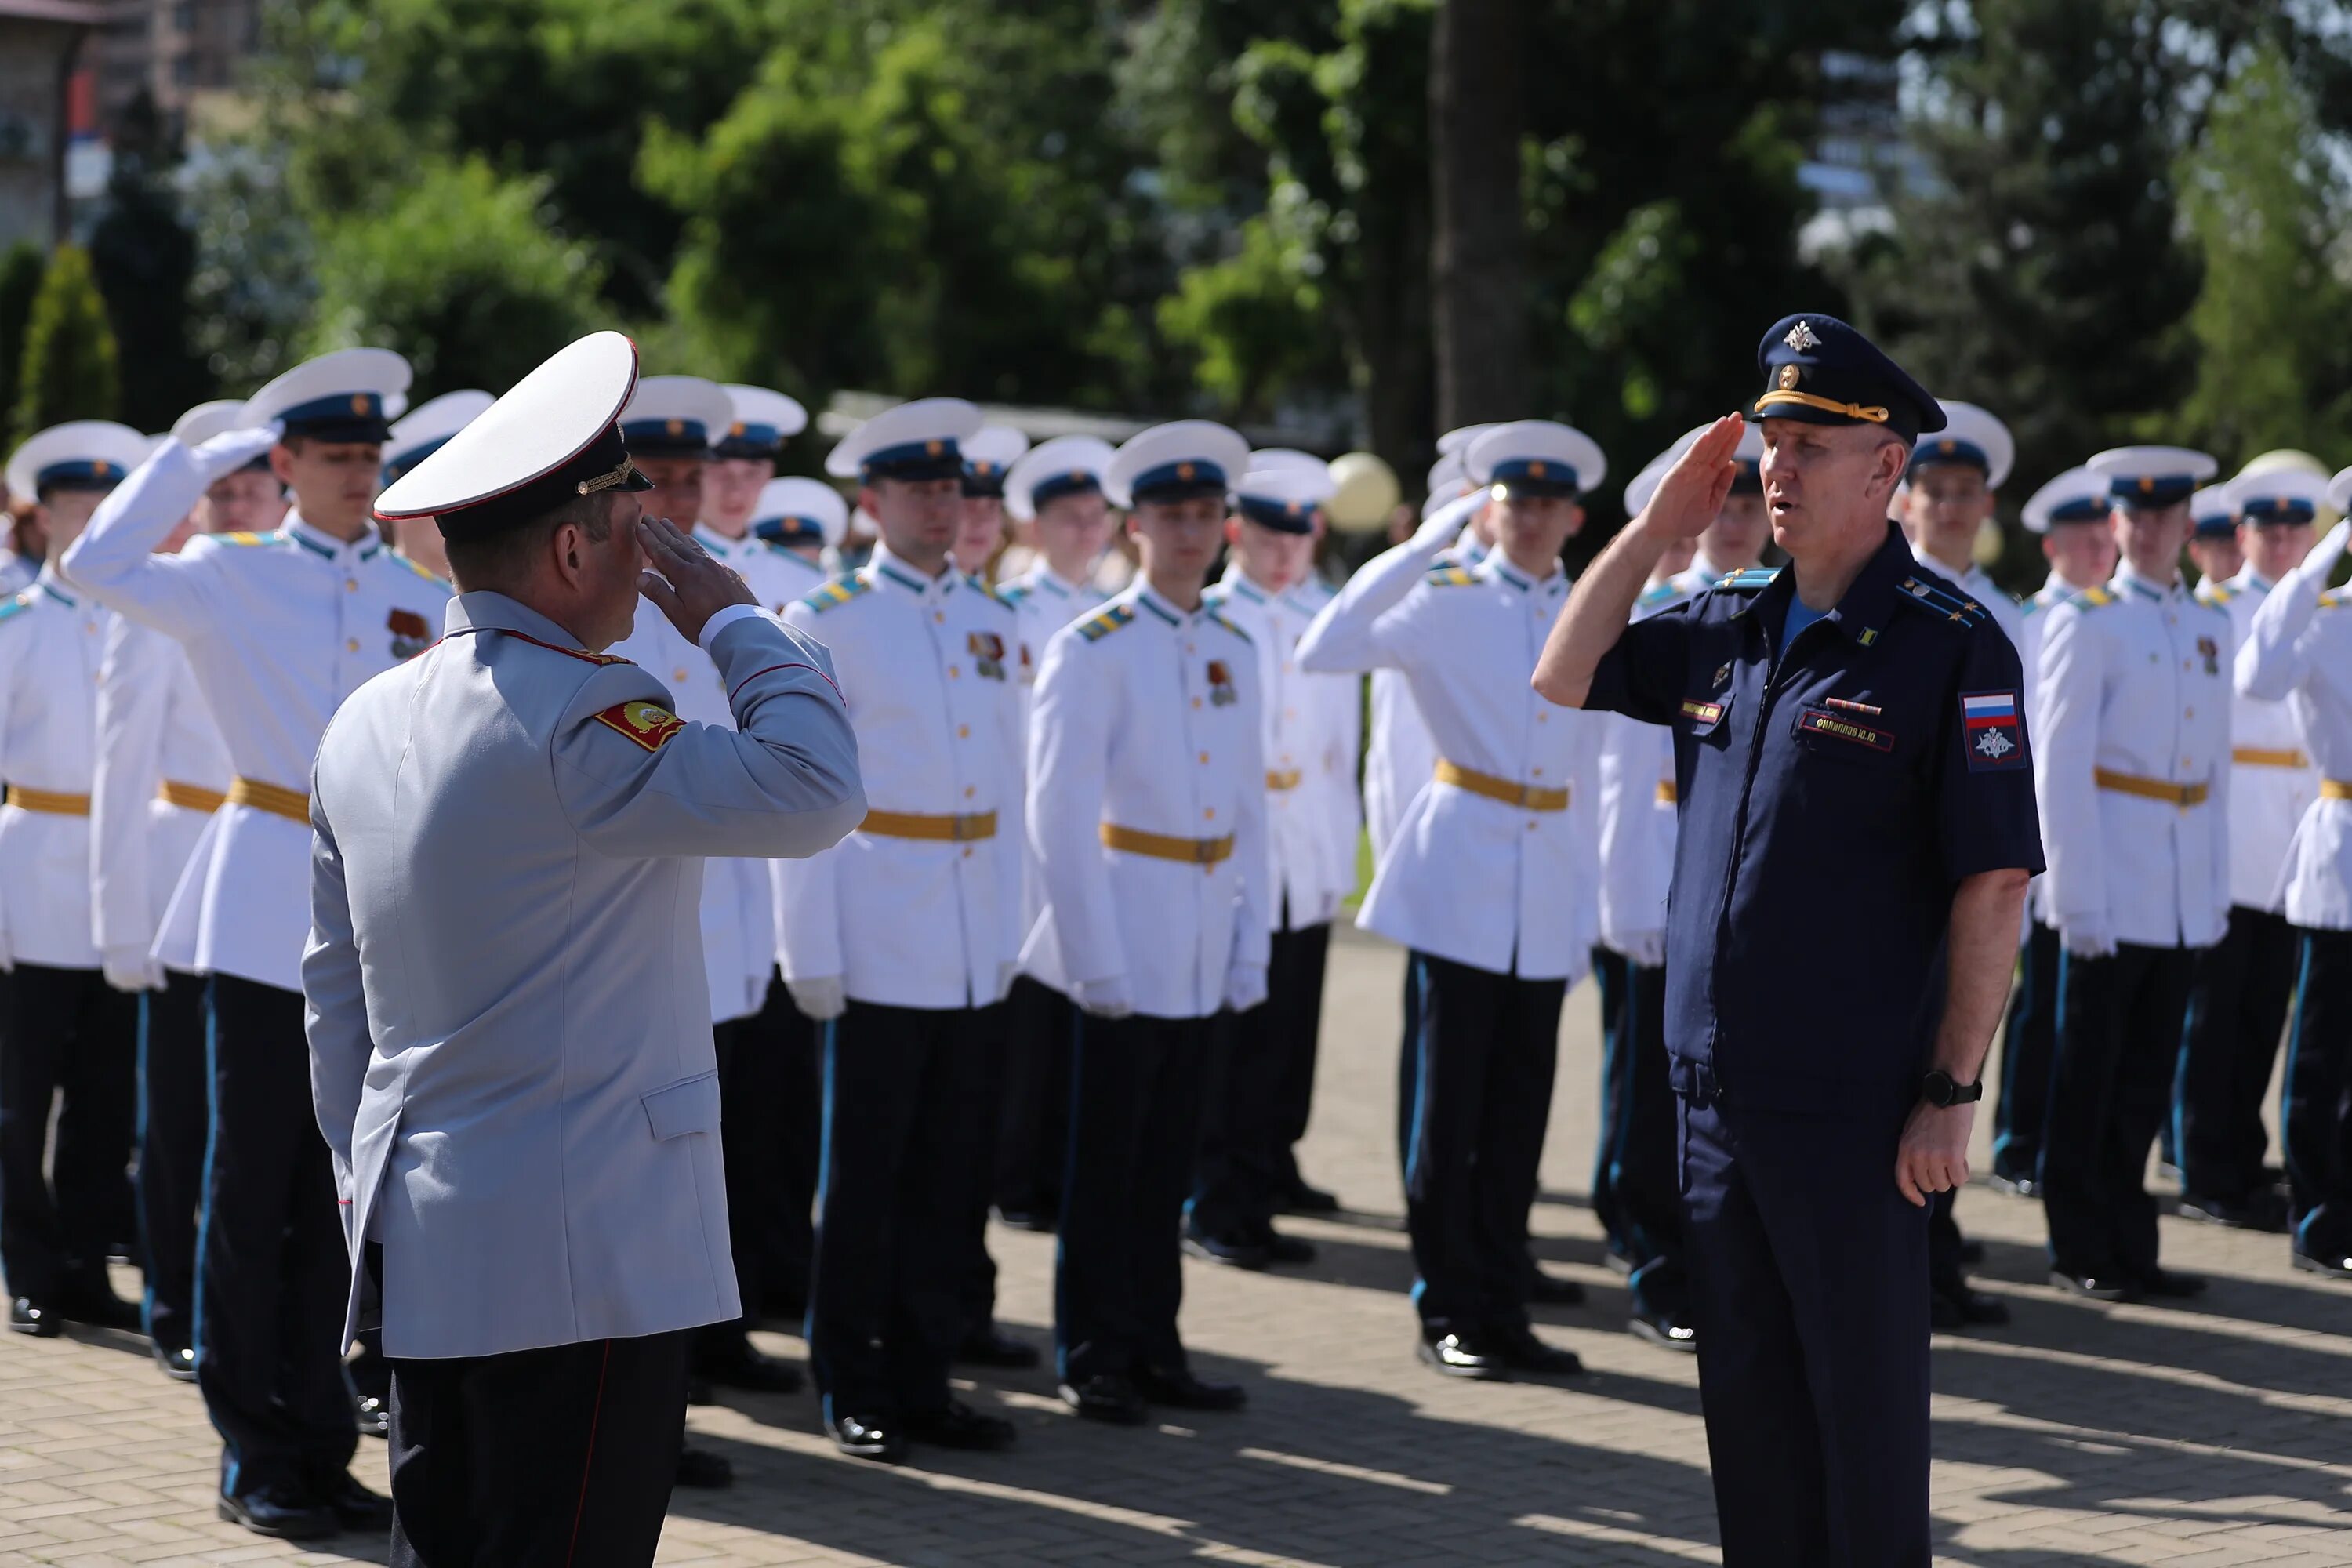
(50, 120)
(181, 53)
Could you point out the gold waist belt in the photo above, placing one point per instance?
(2335, 789)
(2183, 795)
(2268, 757)
(1161, 847)
(1282, 779)
(1665, 791)
(50, 801)
(196, 797)
(968, 828)
(1527, 797)
(293, 804)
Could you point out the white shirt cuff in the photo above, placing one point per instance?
(727, 616)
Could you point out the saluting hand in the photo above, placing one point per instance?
(1687, 500)
(685, 582)
(1934, 1154)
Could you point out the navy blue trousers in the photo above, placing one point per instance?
(2027, 1042)
(1810, 1283)
(1259, 1089)
(1033, 1130)
(174, 1109)
(64, 1033)
(2237, 1007)
(2118, 1037)
(2318, 1118)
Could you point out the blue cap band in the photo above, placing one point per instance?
(2278, 510)
(1938, 450)
(1538, 475)
(1192, 477)
(788, 530)
(666, 437)
(2152, 492)
(346, 416)
(1076, 482)
(2088, 509)
(414, 456)
(747, 439)
(79, 474)
(938, 458)
(1281, 516)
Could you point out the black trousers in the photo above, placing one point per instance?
(559, 1458)
(1255, 1103)
(1612, 972)
(2319, 1115)
(175, 1095)
(1487, 1048)
(2027, 1043)
(1810, 1276)
(903, 1110)
(64, 1031)
(271, 1271)
(738, 1043)
(1033, 1135)
(1636, 1162)
(2118, 1033)
(1134, 1122)
(2237, 997)
(977, 1275)
(784, 1083)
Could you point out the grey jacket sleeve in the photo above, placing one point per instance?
(637, 781)
(334, 1002)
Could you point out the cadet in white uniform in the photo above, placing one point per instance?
(162, 770)
(903, 936)
(1492, 881)
(2213, 546)
(2238, 1002)
(2069, 514)
(988, 459)
(2132, 770)
(416, 435)
(1147, 809)
(1055, 488)
(63, 1029)
(508, 1033)
(1264, 1076)
(279, 628)
(2298, 651)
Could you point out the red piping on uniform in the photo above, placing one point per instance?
(588, 1465)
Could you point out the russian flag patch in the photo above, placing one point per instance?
(1992, 730)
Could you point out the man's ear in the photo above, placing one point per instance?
(282, 463)
(1233, 529)
(1575, 519)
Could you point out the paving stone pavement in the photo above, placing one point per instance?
(2217, 1434)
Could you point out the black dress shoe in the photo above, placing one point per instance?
(989, 1345)
(2092, 1287)
(1232, 1251)
(751, 1371)
(1281, 1248)
(703, 1470)
(2167, 1285)
(1550, 1290)
(1456, 1356)
(1107, 1397)
(1178, 1388)
(26, 1316)
(2257, 1211)
(1962, 1308)
(2325, 1267)
(375, 1416)
(868, 1438)
(1300, 1198)
(2015, 1186)
(1671, 1330)
(959, 1425)
(178, 1361)
(99, 1309)
(1037, 1219)
(355, 1507)
(280, 1514)
(1519, 1350)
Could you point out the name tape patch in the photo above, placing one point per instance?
(1701, 712)
(649, 724)
(1991, 731)
(1822, 722)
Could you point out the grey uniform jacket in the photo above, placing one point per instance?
(509, 1027)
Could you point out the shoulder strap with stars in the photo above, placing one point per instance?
(1751, 580)
(1229, 626)
(838, 592)
(16, 605)
(1104, 622)
(1450, 577)
(1923, 594)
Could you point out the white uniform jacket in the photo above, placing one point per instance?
(2298, 651)
(1401, 752)
(279, 628)
(162, 770)
(1146, 806)
(50, 645)
(1639, 816)
(2132, 765)
(921, 906)
(1340, 809)
(1307, 749)
(1042, 604)
(1508, 885)
(2034, 616)
(509, 1053)
(2271, 781)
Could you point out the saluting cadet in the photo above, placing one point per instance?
(416, 435)
(1265, 1063)
(2298, 649)
(1849, 783)
(64, 1031)
(279, 629)
(509, 1034)
(2070, 516)
(2238, 999)
(1055, 488)
(2214, 545)
(988, 458)
(163, 770)
(1634, 1188)
(903, 936)
(1492, 881)
(2133, 772)
(1147, 810)
(802, 518)
(247, 499)
(742, 464)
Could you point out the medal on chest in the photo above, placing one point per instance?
(410, 633)
(987, 650)
(1220, 685)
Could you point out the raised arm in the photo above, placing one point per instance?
(1346, 635)
(114, 561)
(2273, 662)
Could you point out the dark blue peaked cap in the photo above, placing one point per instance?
(1819, 369)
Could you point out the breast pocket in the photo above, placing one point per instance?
(690, 1105)
(1706, 719)
(1847, 737)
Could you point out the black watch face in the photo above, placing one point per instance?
(1938, 1088)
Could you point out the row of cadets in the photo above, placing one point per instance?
(279, 629)
(162, 770)
(2068, 515)
(1491, 882)
(1949, 492)
(806, 519)
(2298, 651)
(2238, 998)
(988, 459)
(1055, 488)
(903, 939)
(671, 424)
(63, 1029)
(1262, 1084)
(1146, 812)
(2132, 769)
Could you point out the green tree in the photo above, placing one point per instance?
(145, 258)
(462, 272)
(21, 267)
(69, 368)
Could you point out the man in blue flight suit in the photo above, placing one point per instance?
(1857, 820)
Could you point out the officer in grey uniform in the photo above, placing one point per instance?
(511, 1045)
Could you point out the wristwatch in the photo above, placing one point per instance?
(1938, 1089)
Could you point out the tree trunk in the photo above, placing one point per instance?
(1478, 267)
